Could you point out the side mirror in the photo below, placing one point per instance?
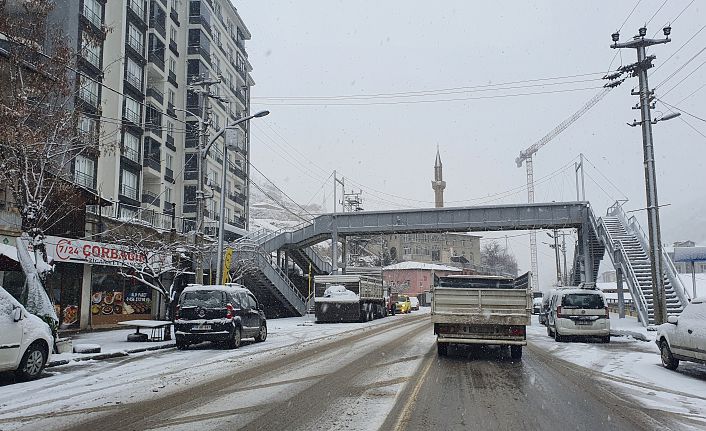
(672, 319)
(260, 307)
(16, 314)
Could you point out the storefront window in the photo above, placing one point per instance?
(115, 298)
(64, 284)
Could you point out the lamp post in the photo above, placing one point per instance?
(224, 167)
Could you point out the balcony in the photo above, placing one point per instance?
(169, 175)
(128, 191)
(173, 47)
(170, 142)
(169, 207)
(170, 110)
(172, 79)
(241, 96)
(152, 161)
(157, 23)
(150, 198)
(138, 8)
(200, 19)
(93, 17)
(174, 15)
(155, 94)
(157, 58)
(131, 154)
(84, 180)
(239, 43)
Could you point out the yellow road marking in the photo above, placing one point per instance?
(407, 410)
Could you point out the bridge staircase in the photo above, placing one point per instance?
(628, 247)
(268, 281)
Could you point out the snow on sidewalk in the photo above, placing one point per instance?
(635, 367)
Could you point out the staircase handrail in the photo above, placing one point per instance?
(624, 262)
(669, 269)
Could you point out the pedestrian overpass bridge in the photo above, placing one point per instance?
(273, 282)
(270, 252)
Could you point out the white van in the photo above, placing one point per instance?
(578, 312)
(26, 341)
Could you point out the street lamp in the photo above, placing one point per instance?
(224, 167)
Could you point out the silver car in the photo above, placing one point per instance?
(683, 338)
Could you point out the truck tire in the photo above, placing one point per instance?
(516, 352)
(442, 349)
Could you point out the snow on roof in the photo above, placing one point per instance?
(227, 288)
(420, 265)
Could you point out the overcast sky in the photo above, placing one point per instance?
(386, 145)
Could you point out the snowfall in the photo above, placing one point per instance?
(91, 387)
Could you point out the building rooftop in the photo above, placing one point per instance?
(420, 265)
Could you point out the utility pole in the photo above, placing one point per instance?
(557, 259)
(334, 228)
(203, 88)
(578, 166)
(563, 250)
(639, 69)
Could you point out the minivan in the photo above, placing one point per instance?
(224, 314)
(26, 341)
(578, 312)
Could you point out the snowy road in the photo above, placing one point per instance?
(378, 375)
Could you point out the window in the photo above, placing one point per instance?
(132, 110)
(91, 51)
(170, 96)
(169, 161)
(172, 65)
(173, 34)
(216, 37)
(136, 39)
(170, 130)
(83, 171)
(217, 121)
(87, 129)
(89, 91)
(138, 7)
(93, 11)
(226, 215)
(168, 194)
(131, 147)
(134, 74)
(129, 186)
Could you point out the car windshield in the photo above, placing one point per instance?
(582, 300)
(204, 298)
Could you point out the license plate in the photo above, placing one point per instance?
(584, 322)
(202, 327)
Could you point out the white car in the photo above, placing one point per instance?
(415, 303)
(26, 341)
(578, 312)
(683, 338)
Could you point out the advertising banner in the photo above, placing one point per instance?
(97, 253)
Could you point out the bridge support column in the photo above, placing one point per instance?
(344, 253)
(619, 283)
(334, 246)
(587, 260)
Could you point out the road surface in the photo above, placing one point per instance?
(381, 375)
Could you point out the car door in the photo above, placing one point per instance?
(254, 313)
(692, 331)
(10, 332)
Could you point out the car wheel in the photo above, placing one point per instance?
(668, 359)
(442, 349)
(262, 334)
(558, 338)
(235, 339)
(181, 344)
(32, 362)
(516, 352)
(606, 339)
(549, 331)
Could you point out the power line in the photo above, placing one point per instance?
(604, 176)
(682, 111)
(691, 94)
(677, 51)
(423, 92)
(656, 12)
(680, 68)
(685, 78)
(457, 99)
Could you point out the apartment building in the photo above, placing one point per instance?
(136, 60)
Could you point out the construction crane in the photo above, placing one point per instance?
(526, 156)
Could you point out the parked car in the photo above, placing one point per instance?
(544, 312)
(537, 305)
(403, 304)
(224, 314)
(578, 312)
(414, 303)
(26, 341)
(683, 338)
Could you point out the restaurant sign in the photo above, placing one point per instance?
(90, 252)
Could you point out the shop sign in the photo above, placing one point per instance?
(90, 252)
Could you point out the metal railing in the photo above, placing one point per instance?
(633, 226)
(638, 295)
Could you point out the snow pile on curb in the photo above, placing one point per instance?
(87, 348)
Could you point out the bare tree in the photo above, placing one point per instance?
(158, 260)
(496, 259)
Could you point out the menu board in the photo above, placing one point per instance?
(109, 303)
